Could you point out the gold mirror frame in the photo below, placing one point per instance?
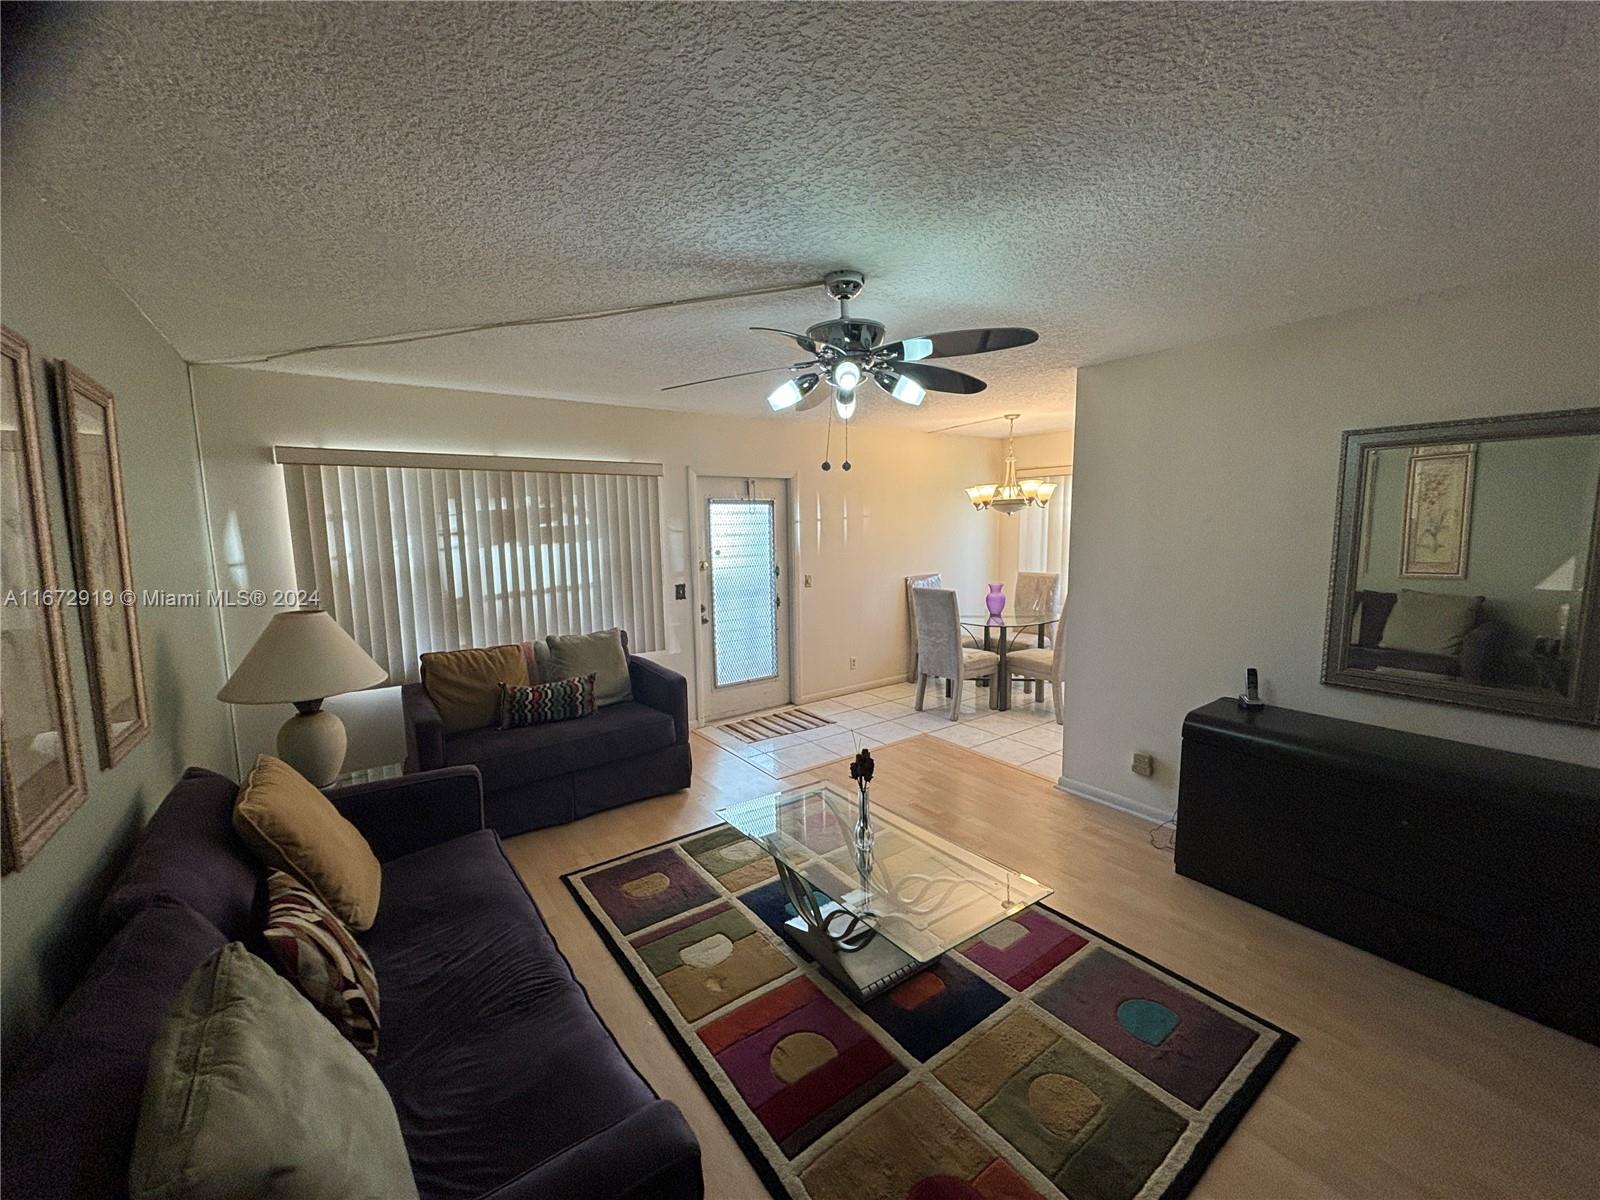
(111, 613)
(26, 832)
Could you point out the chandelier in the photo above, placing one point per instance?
(1010, 495)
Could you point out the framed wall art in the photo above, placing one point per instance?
(110, 612)
(41, 769)
(1438, 513)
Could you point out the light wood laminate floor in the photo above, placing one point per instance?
(1400, 1086)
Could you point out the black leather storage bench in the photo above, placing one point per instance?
(1478, 867)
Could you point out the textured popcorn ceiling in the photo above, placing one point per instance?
(1121, 178)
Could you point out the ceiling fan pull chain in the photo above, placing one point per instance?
(826, 465)
(846, 463)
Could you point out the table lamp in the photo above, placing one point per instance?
(300, 658)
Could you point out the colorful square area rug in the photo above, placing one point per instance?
(1038, 1060)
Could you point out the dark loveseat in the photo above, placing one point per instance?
(505, 1081)
(553, 773)
(1478, 661)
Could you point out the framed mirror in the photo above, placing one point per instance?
(105, 575)
(41, 770)
(1465, 564)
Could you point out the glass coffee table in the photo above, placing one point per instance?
(874, 916)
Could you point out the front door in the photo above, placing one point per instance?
(743, 652)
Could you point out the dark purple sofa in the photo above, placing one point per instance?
(1478, 661)
(558, 772)
(506, 1083)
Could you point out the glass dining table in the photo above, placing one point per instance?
(999, 632)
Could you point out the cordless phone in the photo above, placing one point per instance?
(1250, 698)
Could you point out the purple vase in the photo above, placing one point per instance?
(996, 599)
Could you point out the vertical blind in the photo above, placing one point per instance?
(1045, 533)
(416, 558)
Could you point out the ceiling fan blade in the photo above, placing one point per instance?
(736, 375)
(940, 379)
(809, 345)
(958, 342)
(814, 398)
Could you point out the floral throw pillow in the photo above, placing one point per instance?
(560, 700)
(317, 953)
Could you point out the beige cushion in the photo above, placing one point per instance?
(293, 827)
(250, 1092)
(976, 662)
(464, 685)
(1429, 622)
(598, 654)
(1036, 662)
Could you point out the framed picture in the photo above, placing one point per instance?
(100, 546)
(41, 770)
(1438, 514)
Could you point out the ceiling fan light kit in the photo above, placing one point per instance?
(1011, 496)
(848, 352)
(791, 391)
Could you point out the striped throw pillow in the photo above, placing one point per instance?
(317, 953)
(560, 700)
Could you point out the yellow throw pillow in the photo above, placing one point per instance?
(464, 685)
(293, 827)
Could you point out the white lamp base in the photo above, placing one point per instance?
(313, 743)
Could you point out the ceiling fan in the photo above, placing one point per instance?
(850, 351)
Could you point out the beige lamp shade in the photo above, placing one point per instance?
(301, 656)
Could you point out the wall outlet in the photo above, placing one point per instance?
(1144, 764)
(852, 662)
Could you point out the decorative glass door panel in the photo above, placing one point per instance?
(744, 630)
(744, 597)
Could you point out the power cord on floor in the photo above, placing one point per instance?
(1164, 836)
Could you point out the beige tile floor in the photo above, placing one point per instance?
(1026, 736)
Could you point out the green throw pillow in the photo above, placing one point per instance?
(252, 1092)
(598, 654)
(1430, 622)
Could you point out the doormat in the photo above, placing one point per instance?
(1038, 1061)
(775, 724)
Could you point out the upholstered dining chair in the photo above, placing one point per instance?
(932, 580)
(1036, 591)
(1043, 665)
(940, 654)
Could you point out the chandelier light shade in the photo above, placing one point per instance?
(1009, 496)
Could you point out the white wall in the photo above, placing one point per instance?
(1203, 506)
(58, 298)
(900, 511)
